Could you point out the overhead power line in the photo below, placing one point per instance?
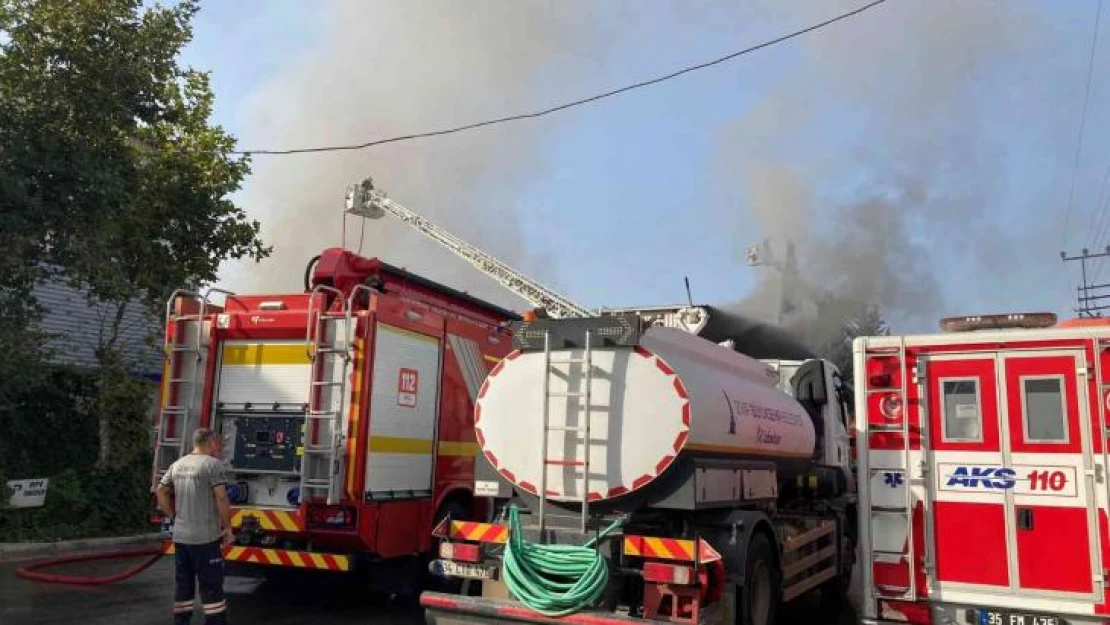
(567, 105)
(1082, 123)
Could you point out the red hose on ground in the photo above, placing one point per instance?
(31, 571)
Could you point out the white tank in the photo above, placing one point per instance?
(674, 394)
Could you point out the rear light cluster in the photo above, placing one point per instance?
(906, 612)
(332, 517)
(885, 406)
(883, 372)
(461, 552)
(663, 573)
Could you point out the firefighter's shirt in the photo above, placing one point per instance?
(193, 477)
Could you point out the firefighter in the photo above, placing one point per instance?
(193, 494)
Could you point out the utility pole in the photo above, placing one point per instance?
(1089, 297)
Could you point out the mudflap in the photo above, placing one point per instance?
(444, 609)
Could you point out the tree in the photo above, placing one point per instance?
(860, 320)
(110, 170)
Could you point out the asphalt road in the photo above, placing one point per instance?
(312, 598)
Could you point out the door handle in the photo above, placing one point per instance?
(1025, 518)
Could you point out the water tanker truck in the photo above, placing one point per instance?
(646, 474)
(642, 465)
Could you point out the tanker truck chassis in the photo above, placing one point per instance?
(711, 495)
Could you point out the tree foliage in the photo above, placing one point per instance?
(846, 321)
(112, 176)
(109, 167)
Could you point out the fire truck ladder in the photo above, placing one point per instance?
(184, 350)
(581, 429)
(904, 511)
(364, 200)
(328, 342)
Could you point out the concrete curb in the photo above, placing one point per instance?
(11, 552)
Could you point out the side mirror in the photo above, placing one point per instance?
(809, 383)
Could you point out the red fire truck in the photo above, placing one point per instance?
(345, 411)
(982, 455)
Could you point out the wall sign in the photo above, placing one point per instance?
(28, 493)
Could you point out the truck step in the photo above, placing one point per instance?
(564, 462)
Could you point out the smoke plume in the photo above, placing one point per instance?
(922, 100)
(394, 68)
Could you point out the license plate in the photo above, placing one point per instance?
(467, 570)
(1002, 617)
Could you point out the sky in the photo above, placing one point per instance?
(919, 155)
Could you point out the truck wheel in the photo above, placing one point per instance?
(758, 599)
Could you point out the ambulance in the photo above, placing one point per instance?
(982, 468)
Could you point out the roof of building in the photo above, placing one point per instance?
(78, 327)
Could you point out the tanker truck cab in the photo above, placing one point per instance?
(982, 455)
(681, 463)
(828, 399)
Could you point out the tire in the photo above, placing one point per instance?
(757, 601)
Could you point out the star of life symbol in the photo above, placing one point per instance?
(893, 479)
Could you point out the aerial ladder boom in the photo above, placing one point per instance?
(365, 201)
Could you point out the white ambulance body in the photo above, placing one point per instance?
(982, 472)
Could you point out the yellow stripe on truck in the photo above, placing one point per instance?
(255, 354)
(458, 449)
(396, 445)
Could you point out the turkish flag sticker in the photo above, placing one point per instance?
(407, 383)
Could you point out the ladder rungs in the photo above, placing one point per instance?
(175, 443)
(562, 462)
(177, 349)
(331, 350)
(317, 449)
(899, 510)
(315, 383)
(566, 394)
(174, 410)
(566, 361)
(566, 428)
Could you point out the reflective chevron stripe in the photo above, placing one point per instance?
(669, 549)
(482, 532)
(281, 557)
(273, 520)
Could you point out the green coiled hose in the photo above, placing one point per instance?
(554, 580)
